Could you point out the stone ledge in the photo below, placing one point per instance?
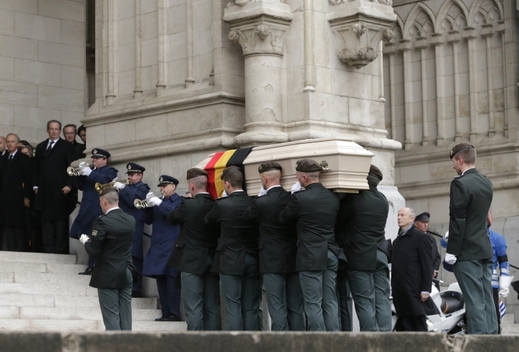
(253, 342)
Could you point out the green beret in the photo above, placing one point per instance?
(375, 172)
(308, 165)
(195, 172)
(269, 166)
(458, 148)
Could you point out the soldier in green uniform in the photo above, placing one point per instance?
(469, 247)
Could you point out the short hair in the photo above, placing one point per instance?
(234, 176)
(2, 137)
(271, 174)
(80, 129)
(200, 182)
(313, 174)
(13, 134)
(373, 181)
(70, 125)
(469, 155)
(53, 121)
(412, 212)
(110, 195)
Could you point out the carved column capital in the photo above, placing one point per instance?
(359, 26)
(260, 27)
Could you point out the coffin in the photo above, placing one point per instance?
(347, 164)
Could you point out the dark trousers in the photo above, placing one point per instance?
(17, 239)
(169, 294)
(55, 236)
(345, 305)
(285, 301)
(116, 305)
(137, 263)
(414, 323)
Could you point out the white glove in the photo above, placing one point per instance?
(262, 192)
(119, 185)
(83, 164)
(504, 285)
(296, 187)
(450, 258)
(84, 238)
(446, 237)
(154, 201)
(149, 195)
(85, 171)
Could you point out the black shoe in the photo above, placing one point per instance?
(161, 319)
(136, 294)
(172, 317)
(88, 271)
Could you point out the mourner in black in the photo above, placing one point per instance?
(193, 255)
(421, 222)
(277, 250)
(411, 273)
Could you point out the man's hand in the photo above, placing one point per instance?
(450, 258)
(84, 238)
(83, 164)
(424, 297)
(119, 185)
(435, 273)
(504, 285)
(154, 201)
(26, 202)
(85, 171)
(149, 195)
(66, 190)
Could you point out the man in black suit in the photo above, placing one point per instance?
(237, 254)
(110, 242)
(469, 248)
(315, 210)
(16, 193)
(277, 252)
(411, 276)
(421, 222)
(51, 185)
(69, 132)
(193, 255)
(3, 154)
(361, 226)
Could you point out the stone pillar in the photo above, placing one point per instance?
(260, 28)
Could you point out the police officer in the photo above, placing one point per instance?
(193, 255)
(421, 222)
(277, 249)
(315, 210)
(163, 238)
(127, 195)
(90, 208)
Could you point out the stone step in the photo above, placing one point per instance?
(58, 268)
(49, 278)
(28, 257)
(48, 289)
(70, 313)
(28, 300)
(83, 325)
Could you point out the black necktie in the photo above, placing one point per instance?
(11, 157)
(49, 148)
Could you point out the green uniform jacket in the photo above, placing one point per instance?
(111, 243)
(360, 225)
(470, 199)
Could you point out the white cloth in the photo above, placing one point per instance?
(154, 201)
(119, 185)
(85, 171)
(504, 285)
(296, 187)
(84, 238)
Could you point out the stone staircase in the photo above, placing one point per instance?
(43, 292)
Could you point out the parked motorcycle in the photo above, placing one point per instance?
(447, 315)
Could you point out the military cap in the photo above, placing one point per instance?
(308, 165)
(423, 217)
(100, 153)
(375, 172)
(134, 168)
(195, 172)
(458, 148)
(269, 166)
(167, 180)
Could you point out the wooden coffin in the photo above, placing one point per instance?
(347, 164)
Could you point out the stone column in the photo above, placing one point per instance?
(260, 28)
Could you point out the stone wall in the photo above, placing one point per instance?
(42, 65)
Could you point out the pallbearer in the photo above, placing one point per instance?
(193, 255)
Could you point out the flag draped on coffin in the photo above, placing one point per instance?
(221, 160)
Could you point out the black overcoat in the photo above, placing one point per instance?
(16, 185)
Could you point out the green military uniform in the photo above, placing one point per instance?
(470, 199)
(111, 242)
